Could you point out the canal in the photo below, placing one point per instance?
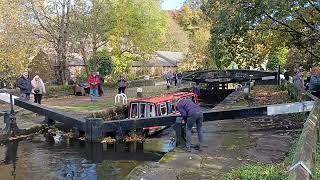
(36, 158)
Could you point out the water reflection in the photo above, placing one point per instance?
(73, 160)
(11, 156)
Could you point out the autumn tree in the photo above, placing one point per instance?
(175, 39)
(197, 26)
(40, 65)
(16, 45)
(52, 25)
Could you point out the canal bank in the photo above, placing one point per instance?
(230, 144)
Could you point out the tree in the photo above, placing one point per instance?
(16, 45)
(41, 65)
(197, 27)
(137, 29)
(175, 38)
(286, 23)
(90, 20)
(52, 25)
(103, 62)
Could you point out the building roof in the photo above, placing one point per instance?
(161, 59)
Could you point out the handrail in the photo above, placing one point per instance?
(304, 157)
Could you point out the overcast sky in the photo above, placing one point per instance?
(172, 4)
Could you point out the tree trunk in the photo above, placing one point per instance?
(84, 56)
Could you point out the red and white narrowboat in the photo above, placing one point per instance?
(156, 106)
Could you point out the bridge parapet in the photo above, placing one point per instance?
(228, 76)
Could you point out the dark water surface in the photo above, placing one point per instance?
(38, 159)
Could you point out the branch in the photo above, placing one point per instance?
(313, 5)
(43, 37)
(39, 21)
(283, 24)
(300, 16)
(312, 54)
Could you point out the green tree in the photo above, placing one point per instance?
(137, 29)
(277, 58)
(275, 23)
(102, 63)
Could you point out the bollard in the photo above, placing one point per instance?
(93, 130)
(178, 128)
(139, 92)
(246, 91)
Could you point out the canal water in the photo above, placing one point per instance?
(38, 159)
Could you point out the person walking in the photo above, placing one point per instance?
(122, 85)
(168, 77)
(192, 114)
(175, 79)
(94, 82)
(25, 86)
(38, 89)
(179, 79)
(298, 80)
(100, 90)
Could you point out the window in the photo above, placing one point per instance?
(143, 108)
(163, 109)
(152, 110)
(134, 110)
(170, 107)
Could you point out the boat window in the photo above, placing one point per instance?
(170, 107)
(152, 110)
(134, 110)
(143, 108)
(163, 109)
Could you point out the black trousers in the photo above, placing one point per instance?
(121, 90)
(37, 98)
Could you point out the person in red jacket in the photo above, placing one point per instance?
(94, 83)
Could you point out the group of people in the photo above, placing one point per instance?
(28, 87)
(95, 85)
(312, 82)
(175, 77)
(36, 87)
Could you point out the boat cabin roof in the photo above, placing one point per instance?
(164, 98)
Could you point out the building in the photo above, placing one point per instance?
(160, 63)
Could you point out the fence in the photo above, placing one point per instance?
(304, 158)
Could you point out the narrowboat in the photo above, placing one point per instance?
(156, 106)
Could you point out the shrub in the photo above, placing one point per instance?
(62, 90)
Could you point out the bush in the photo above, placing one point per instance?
(63, 90)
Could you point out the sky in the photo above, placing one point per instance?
(172, 4)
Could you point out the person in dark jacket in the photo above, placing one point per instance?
(286, 75)
(192, 114)
(122, 85)
(100, 89)
(24, 83)
(179, 78)
(175, 78)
